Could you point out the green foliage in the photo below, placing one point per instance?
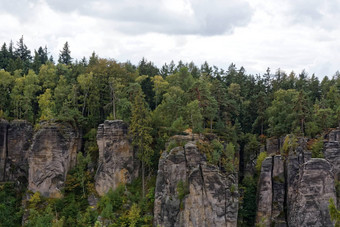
(178, 126)
(172, 144)
(281, 112)
(334, 212)
(46, 105)
(194, 116)
(317, 149)
(182, 190)
(290, 144)
(134, 215)
(229, 161)
(125, 205)
(262, 156)
(10, 206)
(227, 102)
(247, 207)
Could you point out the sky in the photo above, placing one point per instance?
(292, 35)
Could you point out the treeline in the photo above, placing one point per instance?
(87, 92)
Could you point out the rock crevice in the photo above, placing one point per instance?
(117, 159)
(294, 189)
(211, 197)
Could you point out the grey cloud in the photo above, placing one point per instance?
(209, 17)
(315, 13)
(20, 8)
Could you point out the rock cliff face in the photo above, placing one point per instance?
(295, 190)
(52, 154)
(190, 192)
(15, 139)
(332, 151)
(117, 162)
(3, 147)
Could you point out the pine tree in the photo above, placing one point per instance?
(141, 132)
(64, 56)
(23, 56)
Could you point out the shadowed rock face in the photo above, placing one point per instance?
(211, 199)
(19, 139)
(52, 154)
(316, 187)
(15, 139)
(295, 190)
(3, 147)
(332, 151)
(117, 162)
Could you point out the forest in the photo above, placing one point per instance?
(157, 102)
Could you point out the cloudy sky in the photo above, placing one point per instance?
(256, 34)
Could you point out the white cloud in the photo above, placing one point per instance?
(288, 34)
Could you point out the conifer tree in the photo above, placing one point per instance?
(64, 56)
(141, 132)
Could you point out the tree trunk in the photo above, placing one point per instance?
(211, 125)
(143, 179)
(113, 100)
(84, 105)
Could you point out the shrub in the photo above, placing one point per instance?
(317, 149)
(262, 156)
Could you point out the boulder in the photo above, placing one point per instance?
(117, 163)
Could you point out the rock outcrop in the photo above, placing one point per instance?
(15, 139)
(316, 187)
(294, 190)
(19, 139)
(117, 161)
(52, 154)
(332, 151)
(190, 192)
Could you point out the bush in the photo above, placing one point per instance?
(262, 156)
(317, 149)
(10, 206)
(182, 191)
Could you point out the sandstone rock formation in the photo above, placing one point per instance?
(294, 190)
(19, 139)
(15, 139)
(52, 154)
(117, 161)
(190, 192)
(3, 147)
(332, 151)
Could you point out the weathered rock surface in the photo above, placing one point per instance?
(332, 151)
(117, 161)
(295, 190)
(211, 198)
(19, 139)
(52, 154)
(265, 192)
(3, 147)
(15, 139)
(316, 187)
